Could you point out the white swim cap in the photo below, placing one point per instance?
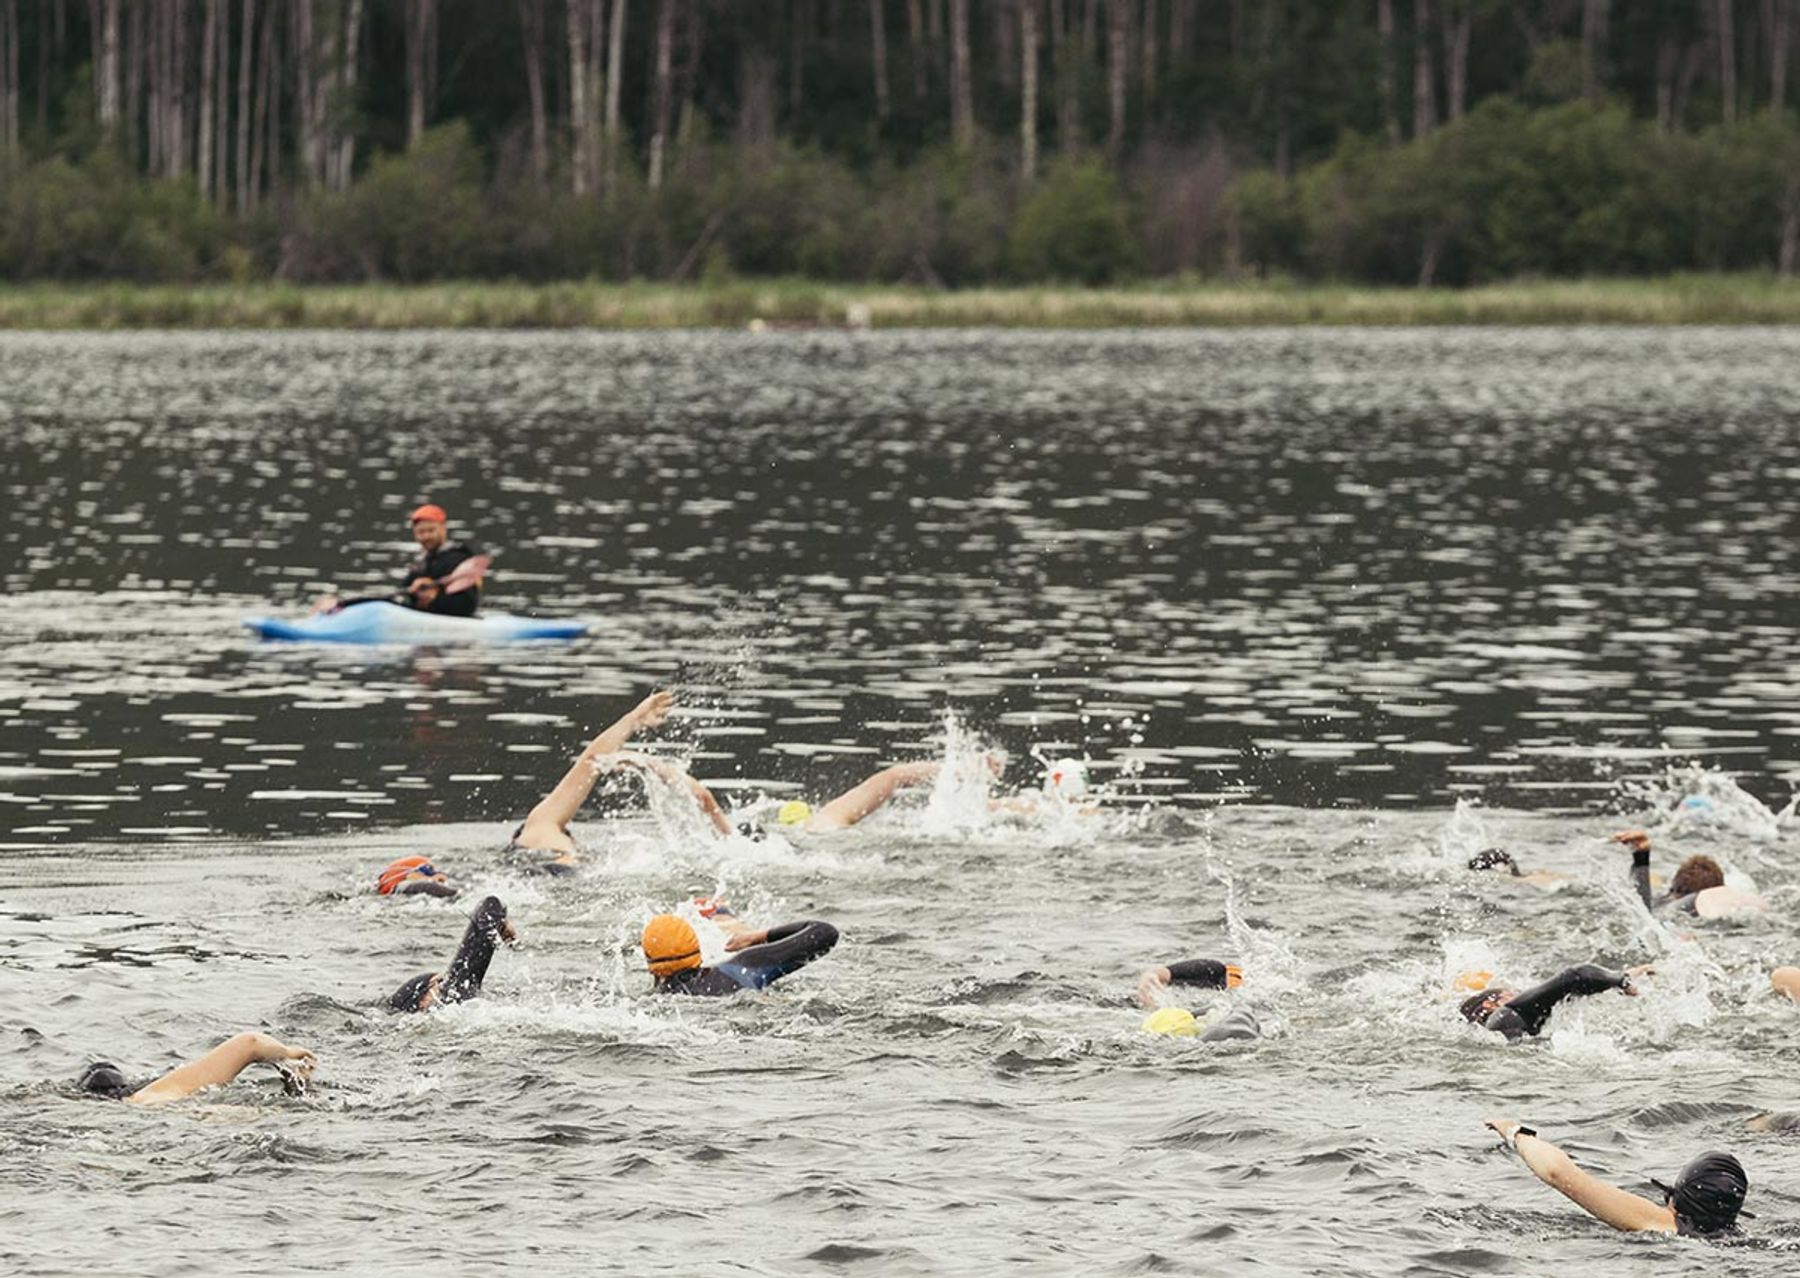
(1067, 778)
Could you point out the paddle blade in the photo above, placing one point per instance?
(467, 575)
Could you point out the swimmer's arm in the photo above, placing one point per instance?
(1786, 980)
(1534, 1004)
(1617, 1207)
(544, 826)
(1640, 875)
(858, 802)
(219, 1066)
(1206, 973)
(674, 777)
(779, 950)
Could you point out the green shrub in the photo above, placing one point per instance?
(1075, 227)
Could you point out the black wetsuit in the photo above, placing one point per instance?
(1640, 877)
(1526, 1013)
(1206, 973)
(437, 565)
(789, 947)
(467, 970)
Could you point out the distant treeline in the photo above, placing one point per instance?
(924, 141)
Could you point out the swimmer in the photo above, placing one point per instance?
(852, 806)
(467, 970)
(759, 958)
(545, 829)
(218, 1067)
(1704, 1202)
(1501, 859)
(1786, 980)
(1698, 886)
(1206, 974)
(1518, 1015)
(413, 876)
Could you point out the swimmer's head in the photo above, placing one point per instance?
(794, 812)
(1696, 874)
(417, 995)
(413, 874)
(670, 945)
(103, 1078)
(1494, 859)
(1708, 1196)
(1636, 840)
(1478, 1007)
(1066, 778)
(1174, 1022)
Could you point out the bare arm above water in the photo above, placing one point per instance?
(219, 1066)
(544, 827)
(1617, 1207)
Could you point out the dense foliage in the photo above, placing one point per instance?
(1393, 141)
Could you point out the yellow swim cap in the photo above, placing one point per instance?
(670, 945)
(794, 812)
(1176, 1022)
(1473, 980)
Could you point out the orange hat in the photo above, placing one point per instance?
(431, 512)
(670, 945)
(399, 871)
(1234, 976)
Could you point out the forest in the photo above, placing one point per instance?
(928, 142)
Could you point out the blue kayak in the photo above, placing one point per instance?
(390, 623)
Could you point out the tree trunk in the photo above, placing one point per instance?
(1028, 87)
(209, 47)
(1593, 47)
(1789, 248)
(1424, 94)
(878, 53)
(915, 45)
(344, 113)
(222, 110)
(1668, 58)
(259, 127)
(9, 79)
(1181, 27)
(1149, 42)
(1456, 57)
(178, 92)
(246, 62)
(133, 66)
(962, 93)
(580, 120)
(665, 59)
(106, 66)
(615, 62)
(421, 19)
(1115, 78)
(1726, 35)
(1384, 25)
(1065, 65)
(1781, 44)
(531, 27)
(154, 113)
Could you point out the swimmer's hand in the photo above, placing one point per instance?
(1629, 985)
(272, 1051)
(1151, 985)
(1634, 840)
(744, 940)
(1507, 1130)
(653, 709)
(509, 934)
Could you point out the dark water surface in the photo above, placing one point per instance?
(1327, 611)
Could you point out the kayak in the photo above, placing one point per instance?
(390, 623)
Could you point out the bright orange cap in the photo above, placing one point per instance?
(1234, 976)
(399, 870)
(670, 945)
(428, 511)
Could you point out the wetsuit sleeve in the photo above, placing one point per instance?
(1209, 973)
(1527, 1013)
(789, 947)
(469, 968)
(1640, 875)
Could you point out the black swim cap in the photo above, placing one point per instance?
(406, 998)
(103, 1078)
(752, 830)
(1478, 1007)
(427, 887)
(1490, 858)
(1708, 1196)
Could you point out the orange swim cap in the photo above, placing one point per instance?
(670, 945)
(1475, 979)
(429, 511)
(397, 872)
(1234, 976)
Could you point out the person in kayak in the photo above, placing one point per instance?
(1704, 1202)
(1698, 886)
(462, 981)
(545, 829)
(413, 876)
(1520, 1015)
(218, 1067)
(438, 558)
(1500, 860)
(759, 958)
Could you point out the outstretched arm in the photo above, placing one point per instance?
(674, 777)
(543, 828)
(1527, 1012)
(1639, 843)
(1206, 973)
(859, 801)
(219, 1066)
(760, 958)
(1617, 1207)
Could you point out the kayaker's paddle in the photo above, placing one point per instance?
(465, 576)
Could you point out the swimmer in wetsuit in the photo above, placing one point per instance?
(759, 959)
(467, 970)
(1500, 859)
(545, 829)
(1207, 974)
(1704, 1202)
(218, 1067)
(1519, 1015)
(1698, 887)
(413, 876)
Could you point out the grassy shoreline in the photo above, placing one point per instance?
(1699, 299)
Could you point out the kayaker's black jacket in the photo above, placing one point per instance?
(439, 564)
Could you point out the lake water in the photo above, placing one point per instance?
(1326, 611)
